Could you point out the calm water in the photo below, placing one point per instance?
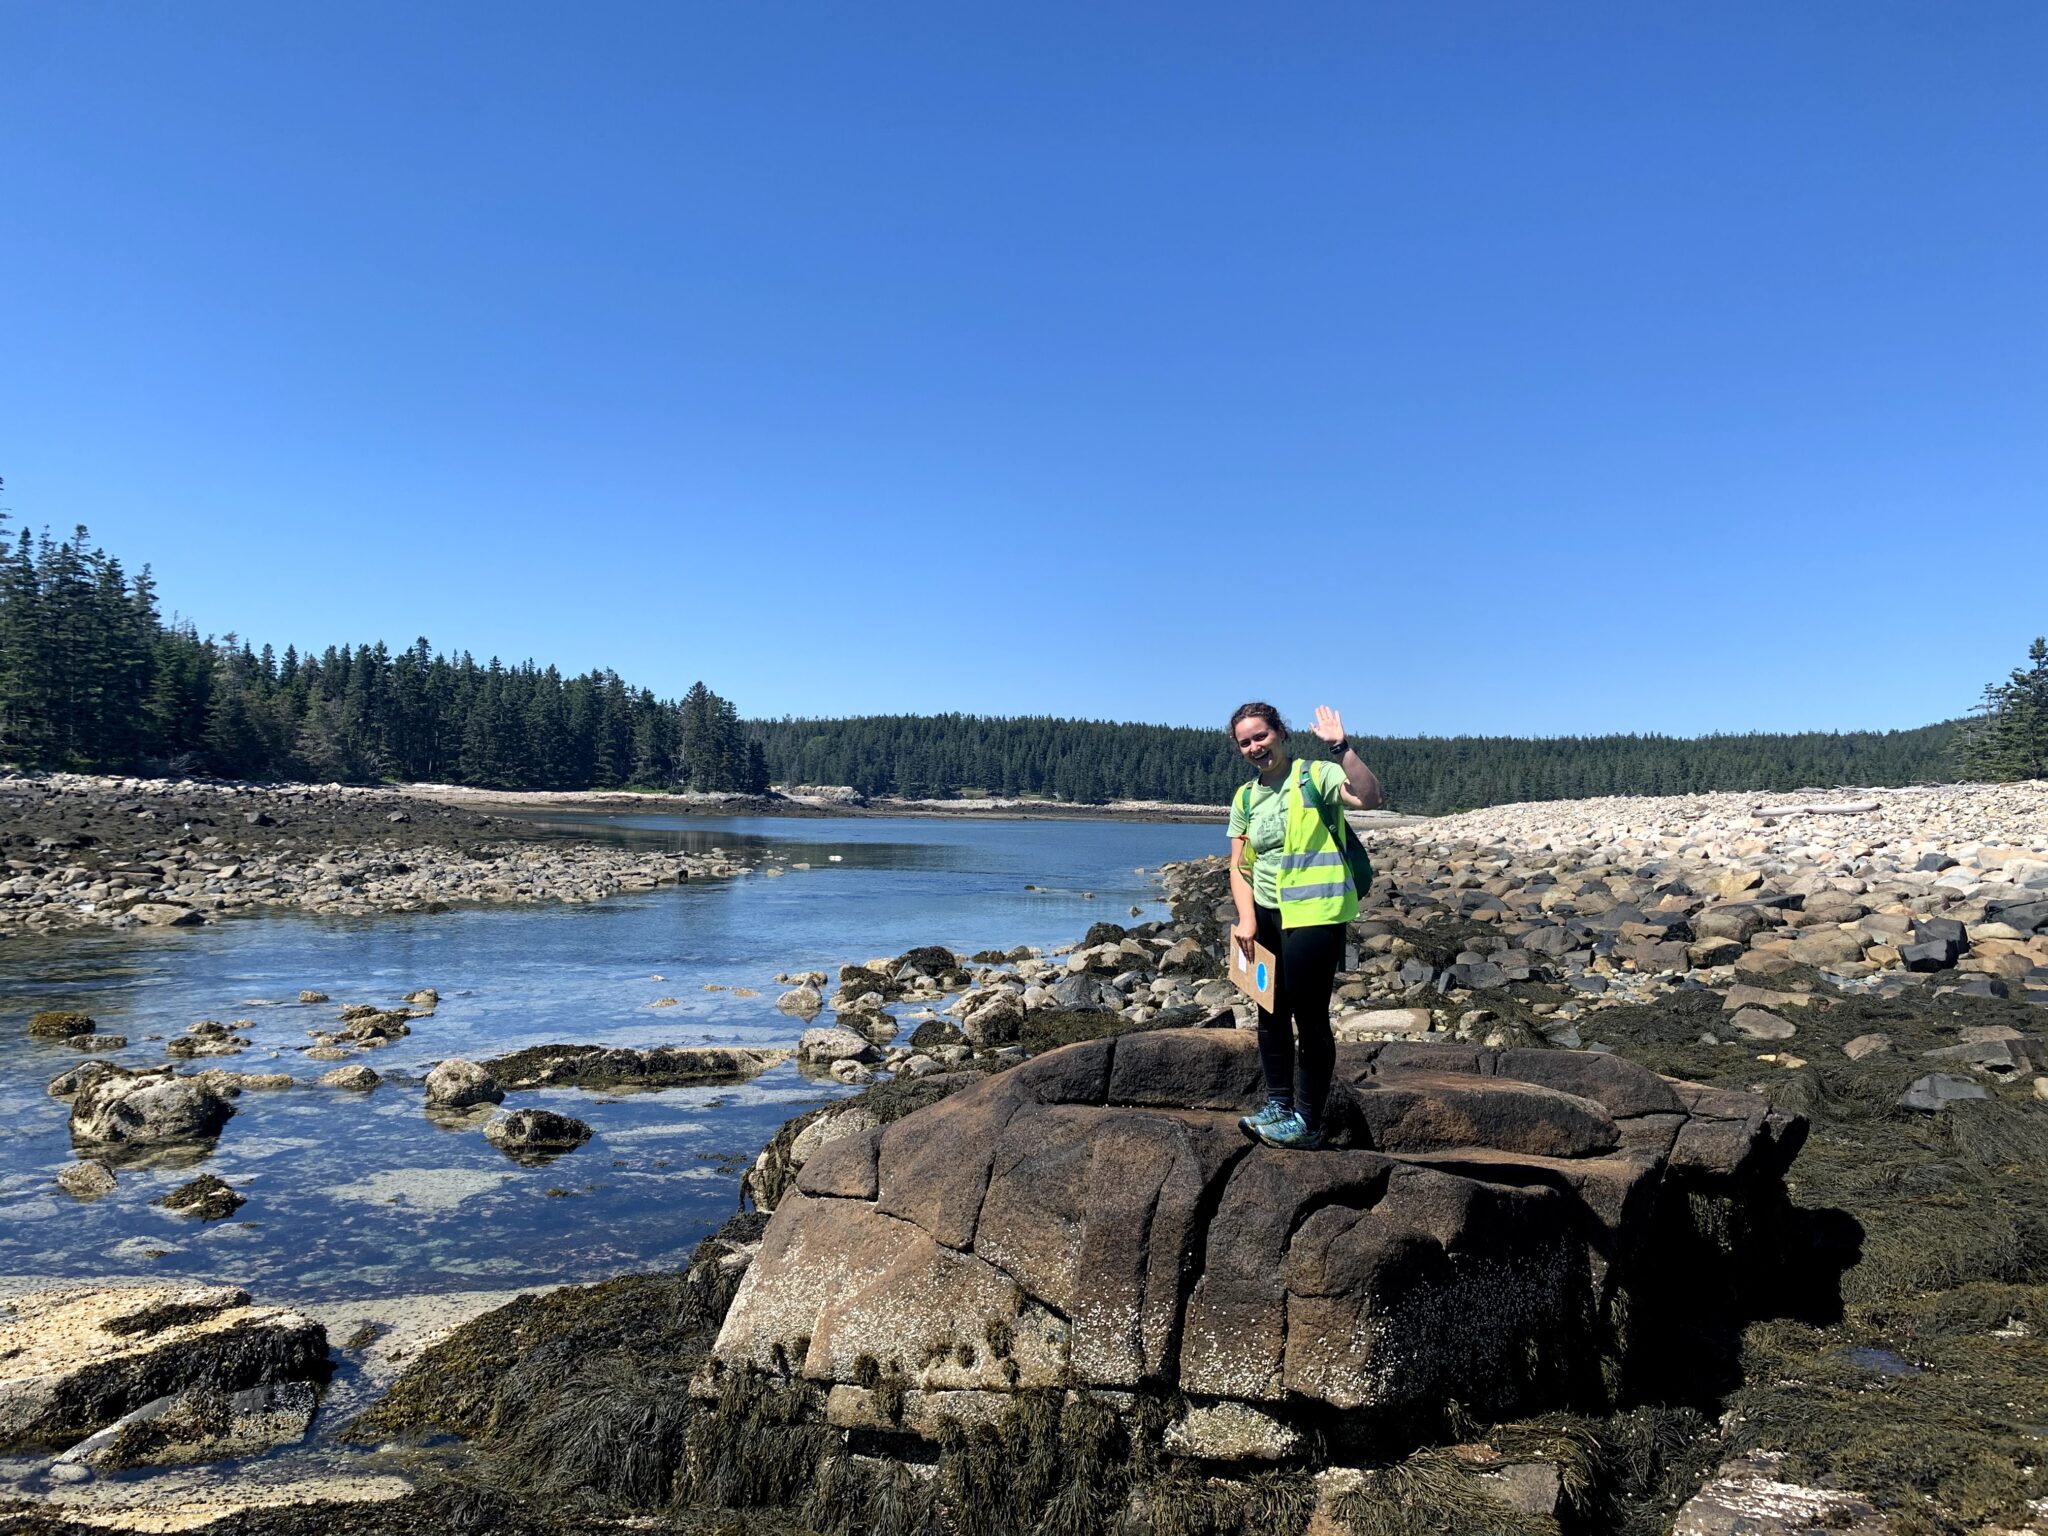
(359, 1195)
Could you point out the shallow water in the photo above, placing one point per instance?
(357, 1195)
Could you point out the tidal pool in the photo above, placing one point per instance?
(352, 1195)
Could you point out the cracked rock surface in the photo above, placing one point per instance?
(1095, 1217)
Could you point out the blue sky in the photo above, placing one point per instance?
(1474, 367)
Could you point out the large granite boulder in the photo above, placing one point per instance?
(1094, 1217)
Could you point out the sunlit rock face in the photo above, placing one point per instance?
(1094, 1218)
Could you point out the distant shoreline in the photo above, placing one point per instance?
(698, 803)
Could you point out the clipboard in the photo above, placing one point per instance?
(1254, 977)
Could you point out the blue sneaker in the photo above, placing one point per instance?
(1272, 1110)
(1291, 1132)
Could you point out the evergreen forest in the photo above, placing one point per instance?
(92, 678)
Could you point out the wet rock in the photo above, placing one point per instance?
(201, 1423)
(535, 1134)
(459, 1084)
(313, 997)
(69, 1083)
(934, 1032)
(931, 960)
(356, 1079)
(1871, 1044)
(1937, 1090)
(599, 1066)
(1754, 1496)
(822, 1047)
(803, 1001)
(425, 997)
(59, 1024)
(87, 1180)
(996, 1019)
(206, 1198)
(97, 1042)
(157, 914)
(77, 1359)
(114, 1107)
(209, 1037)
(222, 1081)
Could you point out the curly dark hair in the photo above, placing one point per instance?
(1257, 711)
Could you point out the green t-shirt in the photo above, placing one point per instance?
(1264, 825)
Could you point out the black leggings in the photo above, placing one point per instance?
(1308, 970)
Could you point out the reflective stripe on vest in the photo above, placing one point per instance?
(1328, 859)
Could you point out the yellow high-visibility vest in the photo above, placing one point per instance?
(1313, 878)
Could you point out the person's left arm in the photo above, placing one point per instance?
(1361, 789)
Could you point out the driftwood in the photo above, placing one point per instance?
(1854, 807)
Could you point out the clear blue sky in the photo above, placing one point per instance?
(1475, 367)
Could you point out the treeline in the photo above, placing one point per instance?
(91, 678)
(1091, 760)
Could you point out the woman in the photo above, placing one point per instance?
(1294, 894)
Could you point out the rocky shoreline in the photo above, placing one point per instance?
(1556, 1009)
(85, 851)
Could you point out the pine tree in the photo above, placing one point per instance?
(2008, 739)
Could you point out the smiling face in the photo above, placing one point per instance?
(1262, 746)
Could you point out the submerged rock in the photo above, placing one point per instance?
(79, 1359)
(356, 1079)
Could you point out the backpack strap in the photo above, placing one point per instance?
(1311, 796)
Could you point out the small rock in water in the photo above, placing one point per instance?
(206, 1198)
(535, 1133)
(356, 1079)
(459, 1084)
(803, 1001)
(314, 997)
(59, 1024)
(88, 1180)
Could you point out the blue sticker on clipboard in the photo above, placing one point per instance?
(1259, 976)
